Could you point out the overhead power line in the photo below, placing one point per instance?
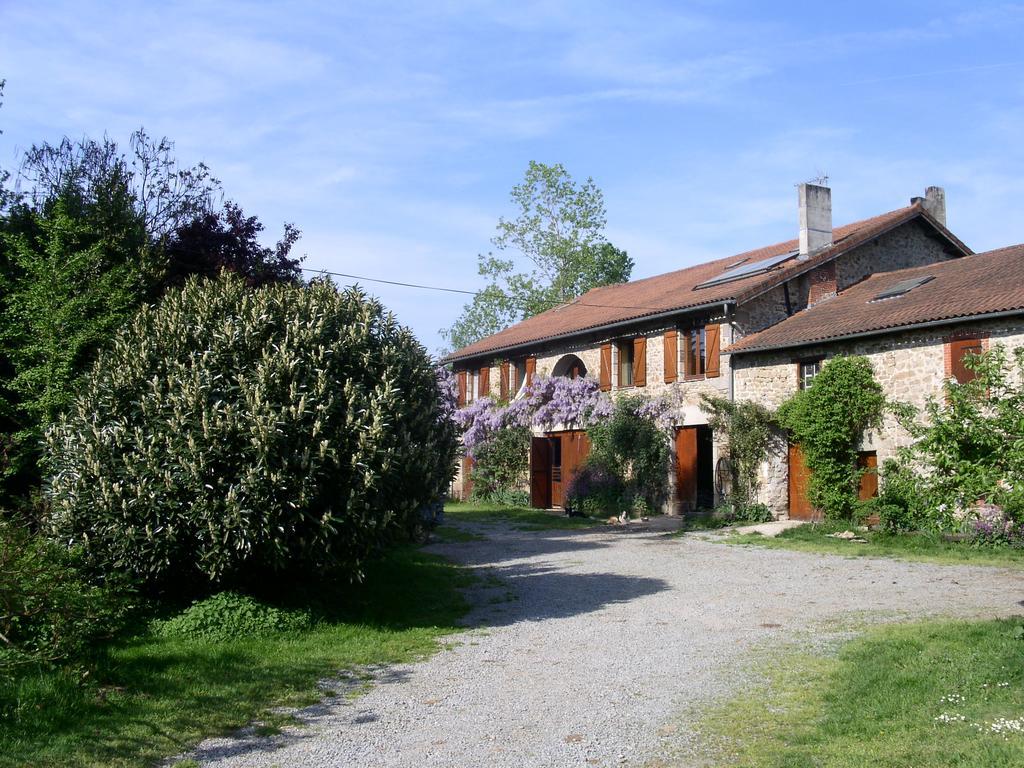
(552, 302)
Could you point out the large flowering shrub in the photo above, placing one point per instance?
(232, 434)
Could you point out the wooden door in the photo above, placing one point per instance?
(540, 473)
(868, 460)
(575, 449)
(686, 468)
(557, 484)
(799, 505)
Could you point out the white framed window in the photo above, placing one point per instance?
(807, 370)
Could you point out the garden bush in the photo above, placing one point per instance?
(501, 466)
(632, 444)
(231, 433)
(50, 613)
(732, 512)
(968, 452)
(229, 616)
(597, 491)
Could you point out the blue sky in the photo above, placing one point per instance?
(391, 133)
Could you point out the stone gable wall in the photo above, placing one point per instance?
(912, 245)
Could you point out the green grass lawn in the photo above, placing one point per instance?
(152, 698)
(929, 548)
(923, 695)
(523, 518)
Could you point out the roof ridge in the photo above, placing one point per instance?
(679, 291)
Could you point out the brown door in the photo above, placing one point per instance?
(467, 479)
(799, 505)
(575, 449)
(556, 470)
(686, 469)
(540, 472)
(868, 460)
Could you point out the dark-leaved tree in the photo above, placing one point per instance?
(227, 240)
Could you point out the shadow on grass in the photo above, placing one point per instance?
(151, 697)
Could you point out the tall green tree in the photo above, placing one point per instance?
(558, 231)
(89, 235)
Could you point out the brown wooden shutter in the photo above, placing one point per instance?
(503, 381)
(531, 368)
(712, 349)
(606, 367)
(671, 349)
(485, 382)
(960, 348)
(462, 388)
(640, 361)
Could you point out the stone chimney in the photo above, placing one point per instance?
(934, 201)
(815, 218)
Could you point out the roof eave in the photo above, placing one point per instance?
(585, 331)
(879, 331)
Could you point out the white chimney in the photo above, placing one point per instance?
(934, 201)
(815, 218)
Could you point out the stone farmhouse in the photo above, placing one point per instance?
(899, 288)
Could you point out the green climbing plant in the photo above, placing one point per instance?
(828, 420)
(750, 431)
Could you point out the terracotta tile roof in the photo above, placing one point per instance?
(986, 283)
(678, 291)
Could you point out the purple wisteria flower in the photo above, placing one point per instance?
(551, 402)
(546, 403)
(665, 410)
(448, 388)
(479, 420)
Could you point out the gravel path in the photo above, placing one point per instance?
(600, 647)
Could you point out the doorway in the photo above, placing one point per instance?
(800, 507)
(554, 460)
(695, 473)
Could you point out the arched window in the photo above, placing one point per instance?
(571, 367)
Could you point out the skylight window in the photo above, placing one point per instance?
(747, 270)
(903, 287)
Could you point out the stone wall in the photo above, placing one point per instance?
(912, 245)
(910, 366)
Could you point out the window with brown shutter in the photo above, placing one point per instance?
(640, 361)
(531, 368)
(606, 367)
(625, 350)
(461, 378)
(712, 334)
(671, 349)
(485, 382)
(959, 350)
(693, 353)
(503, 381)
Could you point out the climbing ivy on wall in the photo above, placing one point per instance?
(828, 420)
(750, 431)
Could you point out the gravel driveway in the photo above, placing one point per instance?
(601, 647)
